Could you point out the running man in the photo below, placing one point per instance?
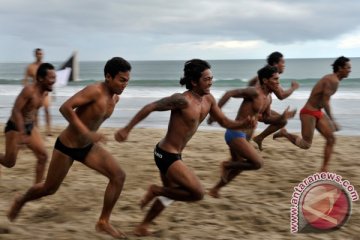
(257, 102)
(21, 129)
(85, 112)
(275, 59)
(312, 117)
(188, 110)
(31, 73)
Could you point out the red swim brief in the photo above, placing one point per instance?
(318, 114)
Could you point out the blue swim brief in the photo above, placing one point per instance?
(231, 134)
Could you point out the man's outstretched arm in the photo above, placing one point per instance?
(176, 101)
(282, 94)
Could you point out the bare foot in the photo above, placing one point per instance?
(105, 227)
(148, 197)
(15, 209)
(214, 193)
(279, 134)
(142, 230)
(258, 142)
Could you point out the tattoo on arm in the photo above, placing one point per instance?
(173, 102)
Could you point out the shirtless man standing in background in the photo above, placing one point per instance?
(31, 73)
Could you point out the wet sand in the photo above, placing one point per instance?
(256, 205)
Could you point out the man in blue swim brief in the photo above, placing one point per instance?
(231, 134)
(257, 100)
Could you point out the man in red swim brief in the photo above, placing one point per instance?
(318, 114)
(311, 119)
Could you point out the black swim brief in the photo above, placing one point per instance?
(78, 154)
(11, 126)
(164, 159)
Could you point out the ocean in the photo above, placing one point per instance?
(151, 80)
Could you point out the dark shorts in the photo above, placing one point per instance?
(232, 134)
(164, 159)
(10, 126)
(78, 154)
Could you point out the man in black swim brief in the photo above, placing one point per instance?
(85, 111)
(188, 110)
(10, 126)
(164, 159)
(20, 130)
(78, 154)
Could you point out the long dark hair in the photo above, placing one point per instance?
(192, 72)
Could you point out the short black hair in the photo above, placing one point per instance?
(340, 62)
(192, 72)
(266, 72)
(37, 50)
(42, 70)
(274, 58)
(116, 65)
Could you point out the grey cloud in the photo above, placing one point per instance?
(282, 21)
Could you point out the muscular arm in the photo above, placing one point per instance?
(249, 92)
(217, 115)
(176, 101)
(282, 94)
(268, 118)
(85, 96)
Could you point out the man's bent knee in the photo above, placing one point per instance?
(330, 140)
(282, 123)
(198, 194)
(301, 143)
(9, 161)
(50, 190)
(258, 164)
(119, 177)
(42, 158)
(9, 164)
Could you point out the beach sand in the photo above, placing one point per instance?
(256, 205)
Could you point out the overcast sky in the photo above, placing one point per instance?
(178, 30)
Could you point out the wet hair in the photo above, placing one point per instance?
(266, 72)
(43, 69)
(274, 58)
(192, 72)
(116, 65)
(340, 62)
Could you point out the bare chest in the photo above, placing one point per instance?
(104, 108)
(32, 71)
(261, 103)
(35, 102)
(196, 112)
